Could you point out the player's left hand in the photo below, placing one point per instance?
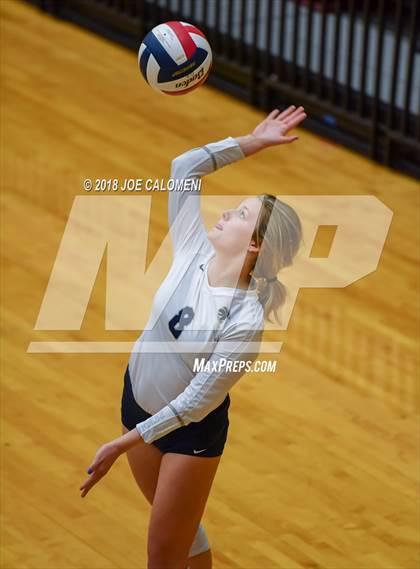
(105, 457)
(274, 128)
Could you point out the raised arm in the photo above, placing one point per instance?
(185, 222)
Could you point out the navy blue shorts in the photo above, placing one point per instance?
(203, 438)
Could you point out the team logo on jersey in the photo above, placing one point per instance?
(223, 313)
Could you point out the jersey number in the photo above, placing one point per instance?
(179, 321)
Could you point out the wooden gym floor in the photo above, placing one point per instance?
(321, 468)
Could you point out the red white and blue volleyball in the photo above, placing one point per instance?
(175, 58)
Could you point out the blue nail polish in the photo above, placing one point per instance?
(89, 471)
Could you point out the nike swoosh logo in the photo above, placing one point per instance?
(197, 451)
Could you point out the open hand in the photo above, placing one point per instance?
(274, 128)
(104, 459)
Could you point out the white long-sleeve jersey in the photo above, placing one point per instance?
(187, 309)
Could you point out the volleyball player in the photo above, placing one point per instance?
(221, 287)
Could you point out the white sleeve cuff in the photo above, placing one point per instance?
(159, 424)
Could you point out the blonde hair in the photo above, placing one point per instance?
(279, 233)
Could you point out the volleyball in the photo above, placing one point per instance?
(175, 58)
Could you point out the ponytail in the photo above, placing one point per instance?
(272, 296)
